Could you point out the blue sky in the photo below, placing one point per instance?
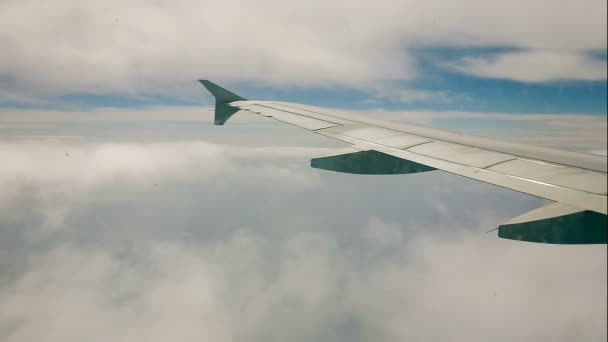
(443, 89)
(465, 92)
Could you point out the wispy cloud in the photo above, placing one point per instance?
(571, 131)
(397, 94)
(534, 66)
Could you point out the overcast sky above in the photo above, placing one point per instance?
(125, 215)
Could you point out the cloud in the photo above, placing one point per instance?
(197, 241)
(251, 288)
(81, 167)
(60, 47)
(534, 66)
(410, 96)
(573, 131)
(448, 276)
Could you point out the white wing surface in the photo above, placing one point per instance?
(576, 181)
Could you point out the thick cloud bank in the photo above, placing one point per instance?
(194, 241)
(61, 46)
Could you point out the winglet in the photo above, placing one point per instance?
(222, 97)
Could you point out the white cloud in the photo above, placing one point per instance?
(568, 130)
(534, 66)
(418, 95)
(251, 288)
(243, 244)
(56, 176)
(59, 46)
(474, 289)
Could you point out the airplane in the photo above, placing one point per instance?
(575, 182)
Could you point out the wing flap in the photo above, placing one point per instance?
(364, 132)
(460, 154)
(381, 136)
(554, 174)
(401, 141)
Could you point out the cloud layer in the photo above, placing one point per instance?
(191, 240)
(567, 131)
(64, 47)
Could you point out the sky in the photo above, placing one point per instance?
(125, 215)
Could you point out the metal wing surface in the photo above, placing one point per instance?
(575, 181)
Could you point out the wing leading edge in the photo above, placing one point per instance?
(575, 181)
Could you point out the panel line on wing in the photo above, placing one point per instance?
(290, 108)
(500, 162)
(418, 144)
(323, 118)
(289, 118)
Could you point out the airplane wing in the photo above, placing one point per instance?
(576, 182)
